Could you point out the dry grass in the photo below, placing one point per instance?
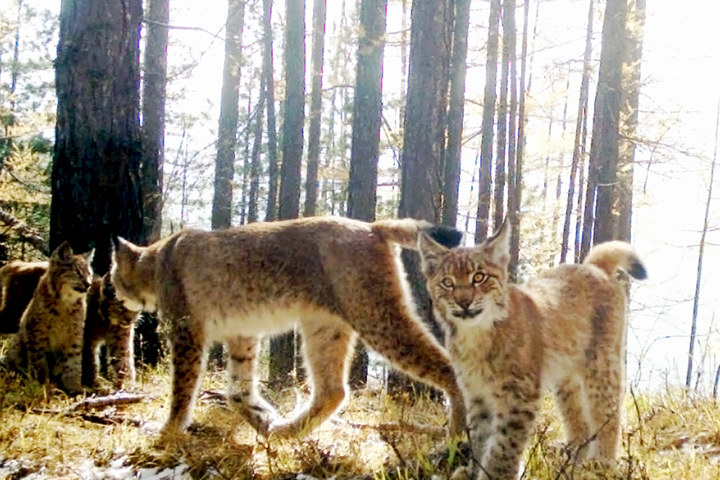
(665, 437)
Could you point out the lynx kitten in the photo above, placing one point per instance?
(335, 278)
(563, 330)
(48, 345)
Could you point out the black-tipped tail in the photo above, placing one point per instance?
(448, 237)
(637, 270)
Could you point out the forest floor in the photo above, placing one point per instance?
(47, 435)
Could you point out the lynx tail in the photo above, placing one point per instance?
(405, 232)
(614, 255)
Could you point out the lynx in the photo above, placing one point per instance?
(335, 278)
(107, 321)
(48, 345)
(17, 285)
(563, 330)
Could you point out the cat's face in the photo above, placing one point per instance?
(465, 283)
(71, 274)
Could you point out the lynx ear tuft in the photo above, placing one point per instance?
(499, 244)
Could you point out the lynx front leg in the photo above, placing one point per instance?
(512, 427)
(121, 357)
(188, 350)
(243, 386)
(327, 347)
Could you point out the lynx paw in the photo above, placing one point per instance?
(257, 412)
(462, 473)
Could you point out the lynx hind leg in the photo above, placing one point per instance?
(386, 324)
(570, 397)
(121, 359)
(328, 345)
(605, 391)
(243, 384)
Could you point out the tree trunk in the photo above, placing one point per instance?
(630, 106)
(294, 110)
(514, 172)
(600, 221)
(227, 125)
(364, 150)
(424, 135)
(96, 189)
(456, 112)
(153, 113)
(255, 165)
(516, 195)
(282, 348)
(488, 125)
(502, 118)
(580, 137)
(698, 279)
(268, 76)
(318, 48)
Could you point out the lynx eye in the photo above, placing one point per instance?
(478, 278)
(447, 282)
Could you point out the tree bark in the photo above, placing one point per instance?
(153, 113)
(580, 137)
(96, 189)
(268, 75)
(630, 106)
(458, 65)
(227, 125)
(424, 135)
(318, 49)
(600, 219)
(364, 150)
(282, 348)
(293, 111)
(514, 172)
(488, 125)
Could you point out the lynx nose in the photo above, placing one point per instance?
(464, 303)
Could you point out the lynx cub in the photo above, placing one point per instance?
(108, 322)
(48, 345)
(335, 278)
(563, 330)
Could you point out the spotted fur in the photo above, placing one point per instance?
(564, 330)
(335, 278)
(48, 345)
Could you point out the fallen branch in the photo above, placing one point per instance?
(398, 427)
(107, 401)
(91, 403)
(28, 233)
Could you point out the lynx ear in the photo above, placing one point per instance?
(63, 252)
(124, 251)
(89, 255)
(498, 246)
(431, 252)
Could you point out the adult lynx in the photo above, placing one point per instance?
(564, 330)
(335, 278)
